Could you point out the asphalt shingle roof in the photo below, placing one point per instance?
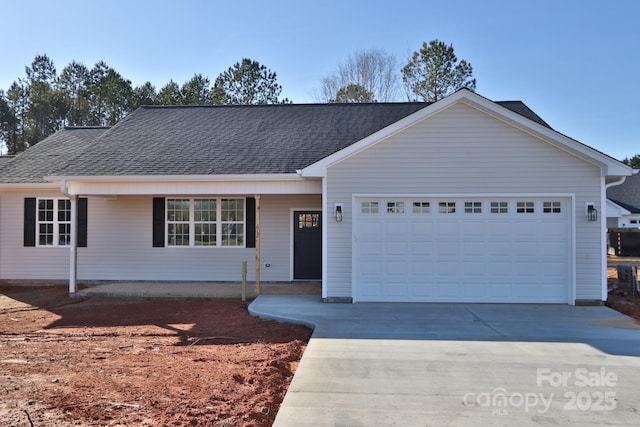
(212, 140)
(627, 194)
(49, 156)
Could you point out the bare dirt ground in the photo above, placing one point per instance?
(108, 362)
(620, 299)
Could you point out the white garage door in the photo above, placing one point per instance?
(462, 249)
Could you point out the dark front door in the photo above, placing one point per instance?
(307, 245)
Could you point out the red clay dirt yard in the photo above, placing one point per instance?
(108, 362)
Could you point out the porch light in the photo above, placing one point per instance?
(592, 212)
(338, 212)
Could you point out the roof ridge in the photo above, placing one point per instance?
(310, 104)
(85, 127)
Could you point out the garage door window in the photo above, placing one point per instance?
(447, 207)
(551, 207)
(499, 207)
(369, 207)
(472, 207)
(421, 207)
(525, 207)
(395, 207)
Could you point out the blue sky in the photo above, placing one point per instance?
(575, 62)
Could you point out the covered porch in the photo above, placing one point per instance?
(230, 290)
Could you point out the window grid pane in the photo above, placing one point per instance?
(308, 220)
(205, 234)
(178, 234)
(551, 207)
(232, 234)
(178, 210)
(395, 207)
(64, 234)
(472, 207)
(45, 210)
(64, 210)
(369, 207)
(447, 207)
(524, 207)
(421, 207)
(232, 210)
(499, 207)
(46, 234)
(232, 218)
(205, 210)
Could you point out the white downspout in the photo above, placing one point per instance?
(603, 204)
(73, 256)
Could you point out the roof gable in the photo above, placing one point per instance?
(515, 113)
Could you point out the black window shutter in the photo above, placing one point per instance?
(82, 222)
(30, 221)
(251, 222)
(158, 222)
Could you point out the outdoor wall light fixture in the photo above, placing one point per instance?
(338, 212)
(591, 211)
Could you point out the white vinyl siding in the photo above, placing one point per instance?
(463, 151)
(120, 244)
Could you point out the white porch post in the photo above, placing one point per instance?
(73, 260)
(257, 197)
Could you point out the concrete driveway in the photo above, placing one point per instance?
(387, 364)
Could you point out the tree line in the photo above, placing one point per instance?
(43, 101)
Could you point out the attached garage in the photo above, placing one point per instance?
(462, 249)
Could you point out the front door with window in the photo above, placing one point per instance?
(307, 245)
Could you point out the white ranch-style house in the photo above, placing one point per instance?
(461, 200)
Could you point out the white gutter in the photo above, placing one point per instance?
(179, 178)
(73, 256)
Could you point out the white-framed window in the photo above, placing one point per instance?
(369, 207)
(499, 207)
(212, 222)
(395, 207)
(447, 207)
(472, 207)
(421, 207)
(551, 207)
(525, 207)
(53, 222)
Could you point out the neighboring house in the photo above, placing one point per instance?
(461, 200)
(623, 204)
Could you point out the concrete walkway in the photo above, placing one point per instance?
(460, 364)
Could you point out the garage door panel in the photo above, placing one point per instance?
(370, 249)
(422, 270)
(473, 269)
(370, 268)
(473, 249)
(446, 229)
(422, 249)
(370, 229)
(421, 290)
(422, 228)
(445, 290)
(447, 248)
(474, 290)
(394, 248)
(469, 255)
(396, 268)
(499, 291)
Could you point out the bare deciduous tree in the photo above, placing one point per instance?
(373, 70)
